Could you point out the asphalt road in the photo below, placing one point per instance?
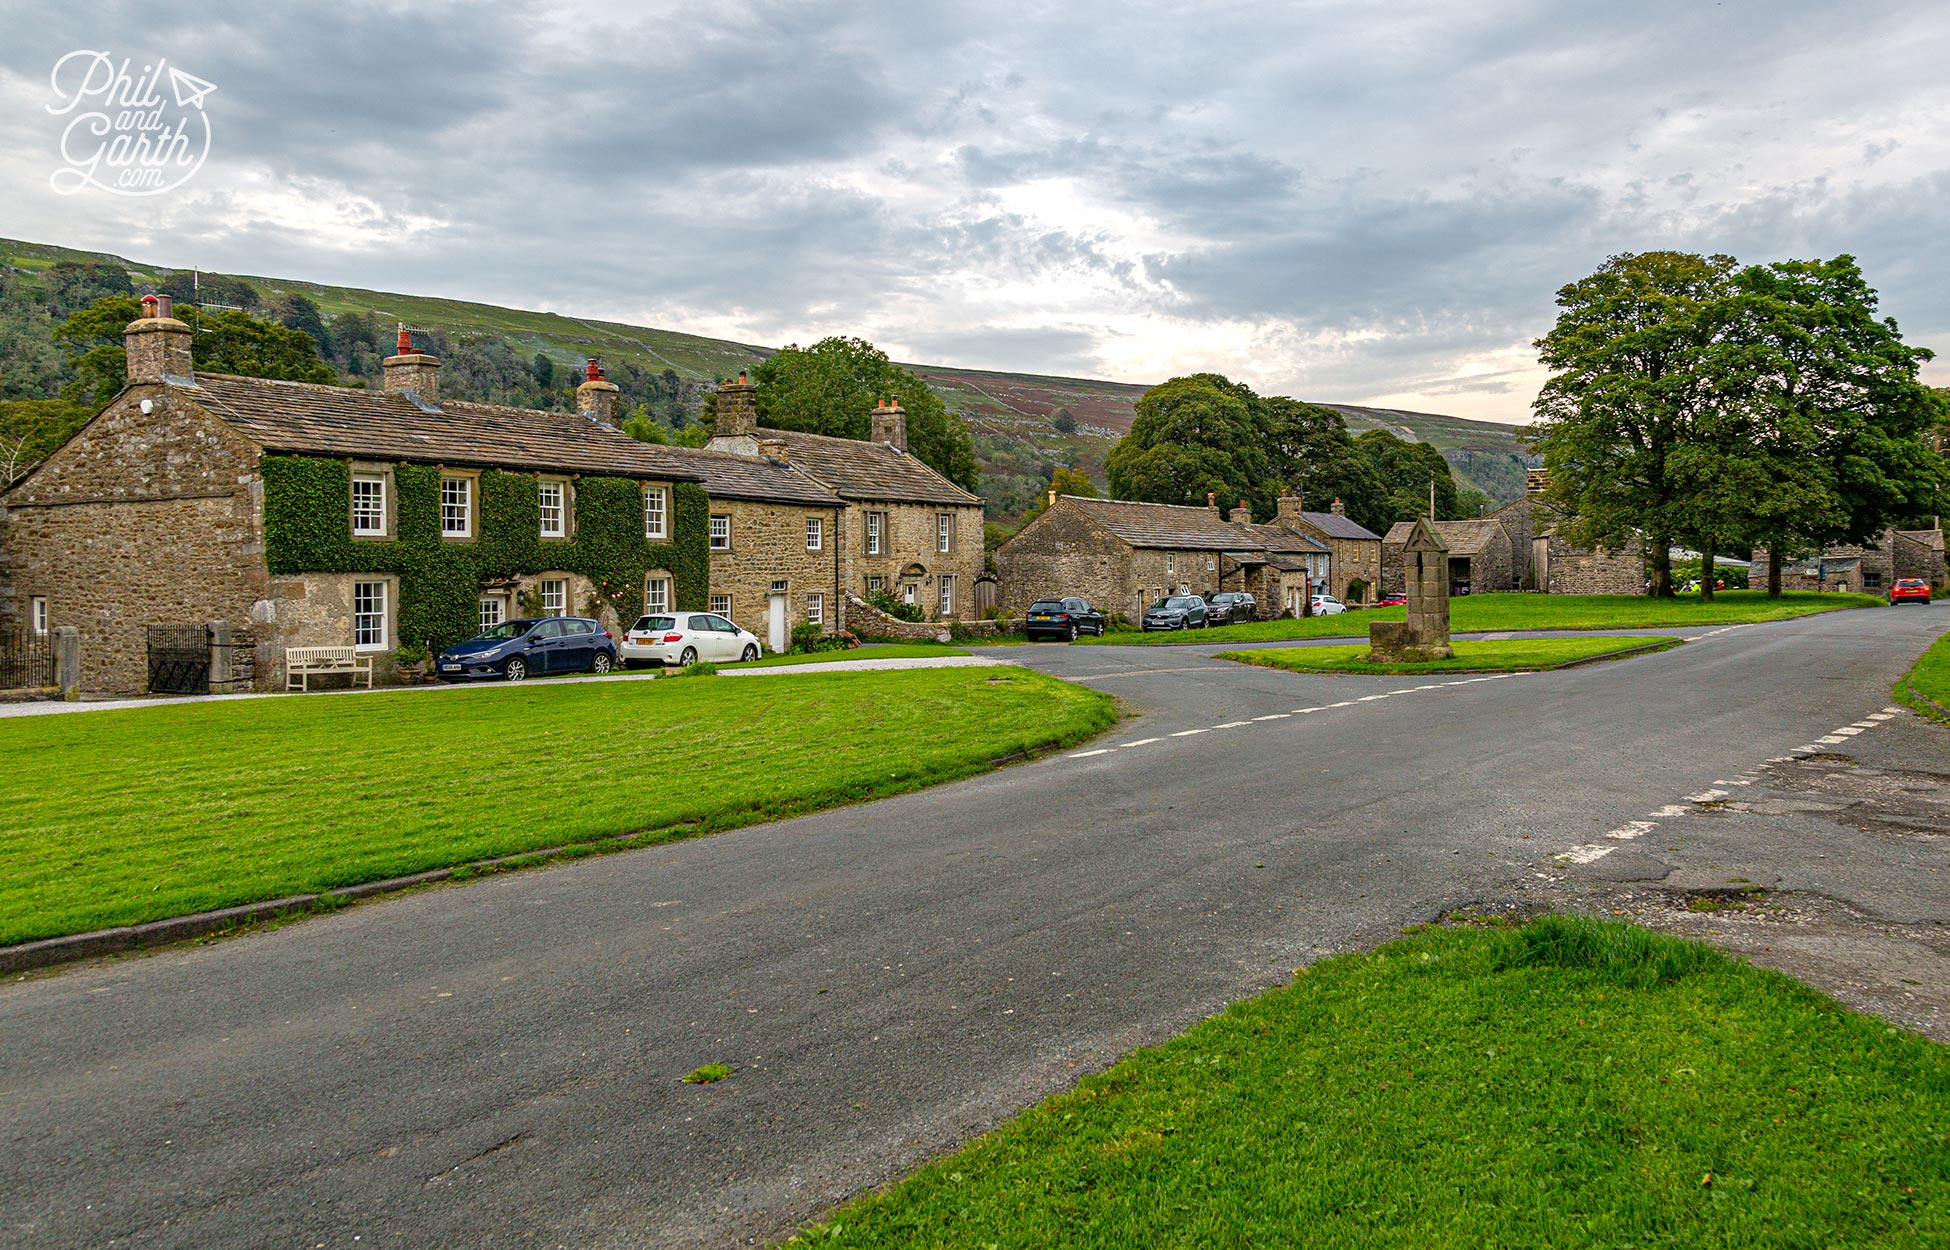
(495, 1064)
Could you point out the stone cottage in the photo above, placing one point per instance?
(1354, 549)
(1123, 555)
(294, 514)
(1868, 569)
(1480, 559)
(1544, 560)
(903, 528)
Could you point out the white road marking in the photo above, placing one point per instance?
(1143, 742)
(1342, 703)
(1302, 711)
(1274, 716)
(1084, 755)
(1186, 733)
(1672, 809)
(1233, 724)
(1633, 829)
(1832, 738)
(1705, 796)
(1587, 854)
(1881, 716)
(1370, 698)
(1849, 731)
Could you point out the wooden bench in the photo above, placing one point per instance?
(303, 663)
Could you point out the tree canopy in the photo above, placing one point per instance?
(831, 388)
(1696, 400)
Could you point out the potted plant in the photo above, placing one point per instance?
(412, 662)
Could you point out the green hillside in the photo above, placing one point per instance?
(1010, 415)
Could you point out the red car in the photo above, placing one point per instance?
(1392, 601)
(1910, 590)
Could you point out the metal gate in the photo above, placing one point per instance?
(25, 660)
(179, 659)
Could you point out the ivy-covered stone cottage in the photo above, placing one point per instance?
(297, 514)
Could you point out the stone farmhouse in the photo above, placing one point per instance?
(1543, 559)
(1123, 555)
(291, 514)
(910, 531)
(1480, 556)
(1863, 569)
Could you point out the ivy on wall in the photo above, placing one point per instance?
(308, 529)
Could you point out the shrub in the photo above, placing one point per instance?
(705, 669)
(809, 639)
(894, 607)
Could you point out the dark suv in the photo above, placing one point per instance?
(1176, 612)
(1231, 607)
(1062, 618)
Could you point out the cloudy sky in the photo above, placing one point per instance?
(1359, 202)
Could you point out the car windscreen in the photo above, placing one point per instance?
(509, 629)
(1048, 605)
(1182, 601)
(651, 624)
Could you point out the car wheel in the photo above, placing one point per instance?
(516, 670)
(688, 658)
(1073, 633)
(750, 653)
(600, 665)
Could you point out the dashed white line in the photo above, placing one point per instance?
(1186, 733)
(1084, 755)
(1275, 716)
(1143, 742)
(1368, 698)
(1233, 724)
(1632, 829)
(1849, 731)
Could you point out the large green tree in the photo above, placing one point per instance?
(223, 342)
(1406, 471)
(831, 388)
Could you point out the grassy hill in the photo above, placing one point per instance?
(1010, 414)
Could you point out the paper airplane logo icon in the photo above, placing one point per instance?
(189, 89)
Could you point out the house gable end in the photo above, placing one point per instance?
(177, 450)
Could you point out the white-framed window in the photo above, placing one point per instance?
(37, 613)
(369, 616)
(721, 606)
(780, 586)
(368, 505)
(456, 507)
(494, 610)
(815, 609)
(1171, 564)
(947, 585)
(555, 510)
(655, 524)
(1211, 562)
(944, 531)
(721, 533)
(876, 528)
(555, 596)
(656, 595)
(876, 583)
(815, 533)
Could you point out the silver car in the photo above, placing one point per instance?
(685, 638)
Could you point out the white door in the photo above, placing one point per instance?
(775, 625)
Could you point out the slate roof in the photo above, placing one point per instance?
(1334, 525)
(728, 476)
(858, 469)
(1932, 539)
(1463, 538)
(1279, 539)
(1156, 525)
(385, 425)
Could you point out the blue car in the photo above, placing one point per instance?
(520, 649)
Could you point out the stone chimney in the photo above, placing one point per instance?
(156, 344)
(774, 449)
(1212, 500)
(737, 409)
(1339, 508)
(1291, 504)
(1536, 481)
(1242, 515)
(413, 374)
(599, 399)
(890, 424)
(1052, 496)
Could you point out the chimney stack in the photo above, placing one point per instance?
(1536, 481)
(415, 375)
(1292, 504)
(1340, 509)
(597, 398)
(890, 424)
(1242, 515)
(774, 449)
(1212, 500)
(737, 409)
(157, 345)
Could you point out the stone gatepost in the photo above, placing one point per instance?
(67, 661)
(1424, 635)
(220, 676)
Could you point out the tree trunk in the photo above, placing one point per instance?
(1661, 587)
(1774, 570)
(1706, 573)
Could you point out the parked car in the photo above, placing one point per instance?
(519, 649)
(1062, 618)
(1231, 607)
(1328, 605)
(685, 638)
(1175, 612)
(1392, 601)
(1910, 590)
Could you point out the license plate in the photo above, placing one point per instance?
(1039, 618)
(450, 668)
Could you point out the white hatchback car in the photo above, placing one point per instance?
(685, 638)
(1328, 605)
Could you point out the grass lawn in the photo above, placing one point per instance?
(1485, 613)
(1929, 680)
(1515, 655)
(120, 817)
(889, 651)
(1570, 1083)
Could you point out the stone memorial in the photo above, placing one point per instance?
(1424, 635)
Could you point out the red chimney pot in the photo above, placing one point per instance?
(594, 372)
(405, 342)
(150, 302)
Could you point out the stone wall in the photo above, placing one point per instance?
(908, 554)
(1063, 553)
(1572, 570)
(140, 519)
(1492, 568)
(768, 544)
